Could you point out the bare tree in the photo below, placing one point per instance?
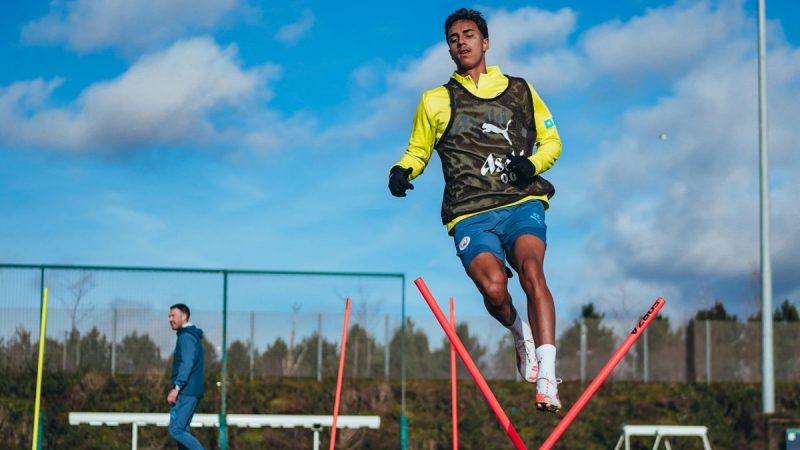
(78, 290)
(365, 307)
(290, 363)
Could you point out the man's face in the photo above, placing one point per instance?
(467, 44)
(176, 318)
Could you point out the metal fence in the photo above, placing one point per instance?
(288, 324)
(115, 319)
(295, 344)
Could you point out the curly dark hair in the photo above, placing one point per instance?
(467, 14)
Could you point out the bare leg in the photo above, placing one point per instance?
(528, 260)
(489, 275)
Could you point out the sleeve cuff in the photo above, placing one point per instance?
(536, 169)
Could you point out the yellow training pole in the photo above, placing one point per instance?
(39, 368)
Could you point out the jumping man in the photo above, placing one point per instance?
(494, 136)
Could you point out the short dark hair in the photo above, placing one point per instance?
(466, 14)
(183, 308)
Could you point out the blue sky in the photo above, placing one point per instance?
(241, 134)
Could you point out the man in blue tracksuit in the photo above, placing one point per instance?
(187, 377)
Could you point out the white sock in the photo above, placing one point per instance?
(546, 355)
(517, 329)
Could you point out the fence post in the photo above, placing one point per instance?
(691, 351)
(368, 364)
(78, 350)
(223, 425)
(355, 360)
(64, 353)
(386, 348)
(319, 347)
(708, 351)
(252, 342)
(114, 343)
(645, 360)
(583, 345)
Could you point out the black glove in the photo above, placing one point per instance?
(398, 181)
(521, 171)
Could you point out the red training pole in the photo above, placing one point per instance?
(453, 390)
(339, 377)
(603, 374)
(471, 367)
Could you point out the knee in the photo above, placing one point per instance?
(174, 432)
(532, 275)
(495, 291)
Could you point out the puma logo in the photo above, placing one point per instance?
(489, 128)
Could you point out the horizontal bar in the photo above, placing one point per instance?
(196, 270)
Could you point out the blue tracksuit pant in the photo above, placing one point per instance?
(180, 417)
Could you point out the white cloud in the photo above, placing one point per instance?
(685, 211)
(666, 39)
(528, 26)
(87, 25)
(533, 43)
(293, 32)
(163, 98)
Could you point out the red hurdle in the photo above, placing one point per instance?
(471, 367)
(341, 371)
(453, 378)
(604, 373)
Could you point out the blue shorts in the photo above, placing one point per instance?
(496, 231)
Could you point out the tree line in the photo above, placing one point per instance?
(673, 353)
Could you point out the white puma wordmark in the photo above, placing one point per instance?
(490, 128)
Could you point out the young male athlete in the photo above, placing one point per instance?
(494, 136)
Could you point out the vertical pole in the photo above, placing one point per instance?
(77, 350)
(39, 370)
(386, 348)
(368, 364)
(41, 431)
(341, 374)
(584, 335)
(223, 426)
(403, 417)
(319, 348)
(252, 343)
(355, 359)
(767, 363)
(708, 351)
(453, 377)
(505, 423)
(64, 353)
(114, 343)
(646, 359)
(134, 436)
(38, 433)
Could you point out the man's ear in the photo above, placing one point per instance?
(485, 44)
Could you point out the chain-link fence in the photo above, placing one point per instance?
(133, 341)
(282, 324)
(115, 320)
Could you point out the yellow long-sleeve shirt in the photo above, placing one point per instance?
(433, 116)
